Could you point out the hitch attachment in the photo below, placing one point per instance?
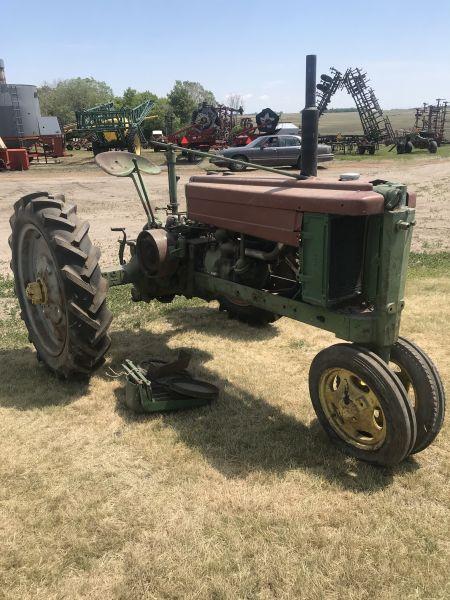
(157, 386)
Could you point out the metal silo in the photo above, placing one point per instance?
(19, 109)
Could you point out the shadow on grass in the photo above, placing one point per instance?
(241, 433)
(25, 384)
(208, 320)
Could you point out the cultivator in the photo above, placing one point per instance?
(432, 119)
(329, 254)
(375, 124)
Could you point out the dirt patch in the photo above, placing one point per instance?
(108, 202)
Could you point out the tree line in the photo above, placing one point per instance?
(63, 98)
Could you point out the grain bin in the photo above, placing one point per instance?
(19, 111)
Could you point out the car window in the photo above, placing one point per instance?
(256, 143)
(272, 142)
(292, 141)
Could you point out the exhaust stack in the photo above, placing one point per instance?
(310, 121)
(2, 71)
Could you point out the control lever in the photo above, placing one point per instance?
(122, 243)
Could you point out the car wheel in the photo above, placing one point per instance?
(238, 167)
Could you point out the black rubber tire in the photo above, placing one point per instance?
(97, 148)
(371, 151)
(69, 147)
(247, 313)
(409, 406)
(432, 147)
(361, 150)
(131, 139)
(191, 158)
(418, 370)
(391, 395)
(84, 289)
(238, 168)
(408, 147)
(400, 148)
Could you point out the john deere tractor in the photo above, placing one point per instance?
(331, 254)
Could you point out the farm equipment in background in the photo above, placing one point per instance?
(158, 137)
(210, 126)
(110, 128)
(375, 124)
(429, 129)
(266, 123)
(332, 255)
(74, 141)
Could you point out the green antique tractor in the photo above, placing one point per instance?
(329, 254)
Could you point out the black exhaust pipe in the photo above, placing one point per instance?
(310, 121)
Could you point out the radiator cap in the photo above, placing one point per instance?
(349, 176)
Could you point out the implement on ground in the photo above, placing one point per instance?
(331, 254)
(111, 128)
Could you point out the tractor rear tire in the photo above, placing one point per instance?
(408, 147)
(432, 147)
(60, 288)
(246, 313)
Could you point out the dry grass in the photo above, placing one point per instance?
(350, 123)
(245, 499)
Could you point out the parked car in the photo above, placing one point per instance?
(270, 151)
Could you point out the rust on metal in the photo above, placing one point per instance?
(311, 183)
(273, 212)
(36, 292)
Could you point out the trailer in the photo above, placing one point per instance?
(349, 143)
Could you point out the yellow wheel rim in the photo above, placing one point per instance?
(407, 383)
(137, 145)
(352, 409)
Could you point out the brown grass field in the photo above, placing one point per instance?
(331, 122)
(245, 499)
(349, 122)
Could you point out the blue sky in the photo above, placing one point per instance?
(254, 48)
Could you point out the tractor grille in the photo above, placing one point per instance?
(346, 257)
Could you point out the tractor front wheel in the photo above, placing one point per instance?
(60, 288)
(424, 387)
(362, 405)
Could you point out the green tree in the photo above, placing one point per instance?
(64, 97)
(184, 98)
(132, 98)
(161, 112)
